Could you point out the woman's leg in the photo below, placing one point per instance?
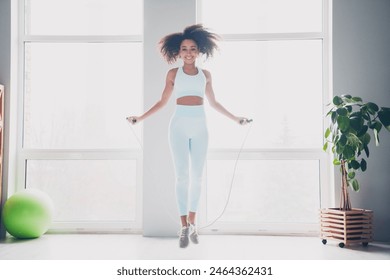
(184, 221)
(198, 153)
(179, 144)
(191, 217)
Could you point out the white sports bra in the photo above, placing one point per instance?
(189, 85)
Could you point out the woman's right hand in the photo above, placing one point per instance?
(133, 120)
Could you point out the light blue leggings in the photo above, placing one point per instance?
(188, 138)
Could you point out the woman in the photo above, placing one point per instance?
(188, 135)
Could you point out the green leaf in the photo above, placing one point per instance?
(355, 165)
(334, 117)
(353, 140)
(366, 138)
(346, 96)
(339, 148)
(365, 147)
(375, 125)
(357, 99)
(327, 132)
(362, 131)
(337, 100)
(355, 185)
(378, 126)
(351, 175)
(363, 165)
(348, 152)
(376, 136)
(372, 106)
(371, 111)
(343, 140)
(325, 147)
(366, 116)
(343, 123)
(342, 111)
(356, 115)
(336, 162)
(356, 123)
(384, 117)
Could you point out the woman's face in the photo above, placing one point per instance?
(188, 51)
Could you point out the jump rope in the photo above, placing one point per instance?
(249, 121)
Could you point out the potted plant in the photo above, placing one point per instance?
(353, 123)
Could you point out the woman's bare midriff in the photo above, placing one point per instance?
(190, 101)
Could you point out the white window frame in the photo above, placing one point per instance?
(326, 170)
(25, 154)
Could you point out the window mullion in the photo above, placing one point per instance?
(98, 154)
(82, 39)
(272, 36)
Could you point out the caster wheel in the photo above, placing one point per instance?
(341, 245)
(365, 244)
(324, 241)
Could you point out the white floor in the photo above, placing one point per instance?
(211, 247)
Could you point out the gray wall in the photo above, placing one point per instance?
(160, 215)
(5, 79)
(361, 67)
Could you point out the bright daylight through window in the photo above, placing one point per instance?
(270, 67)
(81, 78)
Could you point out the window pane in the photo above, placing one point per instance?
(78, 95)
(87, 190)
(278, 84)
(262, 16)
(264, 191)
(84, 17)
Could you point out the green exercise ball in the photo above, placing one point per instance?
(28, 213)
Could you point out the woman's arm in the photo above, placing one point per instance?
(216, 105)
(167, 92)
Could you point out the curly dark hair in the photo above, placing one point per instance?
(205, 40)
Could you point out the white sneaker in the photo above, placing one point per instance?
(194, 234)
(183, 237)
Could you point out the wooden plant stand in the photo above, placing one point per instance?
(348, 227)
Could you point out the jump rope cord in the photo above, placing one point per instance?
(233, 176)
(232, 180)
(151, 172)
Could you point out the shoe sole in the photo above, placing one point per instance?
(194, 239)
(184, 244)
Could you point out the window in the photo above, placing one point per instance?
(272, 67)
(82, 75)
